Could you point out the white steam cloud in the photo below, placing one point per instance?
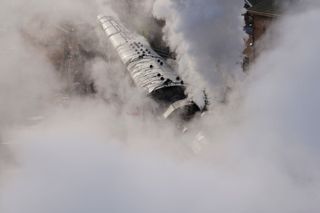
(99, 153)
(203, 33)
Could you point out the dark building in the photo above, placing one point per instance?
(259, 16)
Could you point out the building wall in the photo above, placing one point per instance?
(256, 26)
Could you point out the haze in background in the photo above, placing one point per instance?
(87, 154)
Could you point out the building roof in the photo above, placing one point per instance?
(269, 8)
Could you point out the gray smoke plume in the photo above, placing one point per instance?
(98, 153)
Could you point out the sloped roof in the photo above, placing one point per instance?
(269, 8)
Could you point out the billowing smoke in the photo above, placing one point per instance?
(107, 152)
(203, 33)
